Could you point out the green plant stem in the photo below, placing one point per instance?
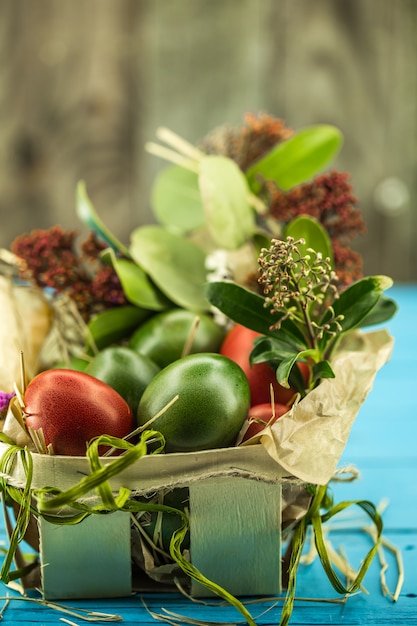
(330, 347)
(303, 306)
(311, 335)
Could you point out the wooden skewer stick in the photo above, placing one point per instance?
(19, 396)
(22, 373)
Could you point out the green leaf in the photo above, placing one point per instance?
(282, 357)
(176, 199)
(358, 300)
(175, 264)
(115, 324)
(286, 366)
(323, 369)
(315, 236)
(88, 215)
(240, 305)
(383, 311)
(297, 159)
(247, 308)
(261, 239)
(292, 330)
(284, 370)
(274, 348)
(137, 286)
(225, 194)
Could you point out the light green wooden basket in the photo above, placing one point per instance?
(235, 505)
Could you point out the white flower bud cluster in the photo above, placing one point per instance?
(299, 286)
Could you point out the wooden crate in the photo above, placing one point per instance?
(235, 523)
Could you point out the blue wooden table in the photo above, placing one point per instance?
(383, 446)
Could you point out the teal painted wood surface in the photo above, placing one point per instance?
(383, 447)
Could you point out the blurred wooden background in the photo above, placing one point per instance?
(84, 83)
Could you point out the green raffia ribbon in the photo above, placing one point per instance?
(297, 545)
(317, 521)
(314, 518)
(50, 499)
(23, 498)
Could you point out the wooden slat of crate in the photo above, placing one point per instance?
(86, 560)
(235, 535)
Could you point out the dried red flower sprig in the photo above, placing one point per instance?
(53, 262)
(249, 142)
(105, 284)
(92, 247)
(348, 263)
(330, 200)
